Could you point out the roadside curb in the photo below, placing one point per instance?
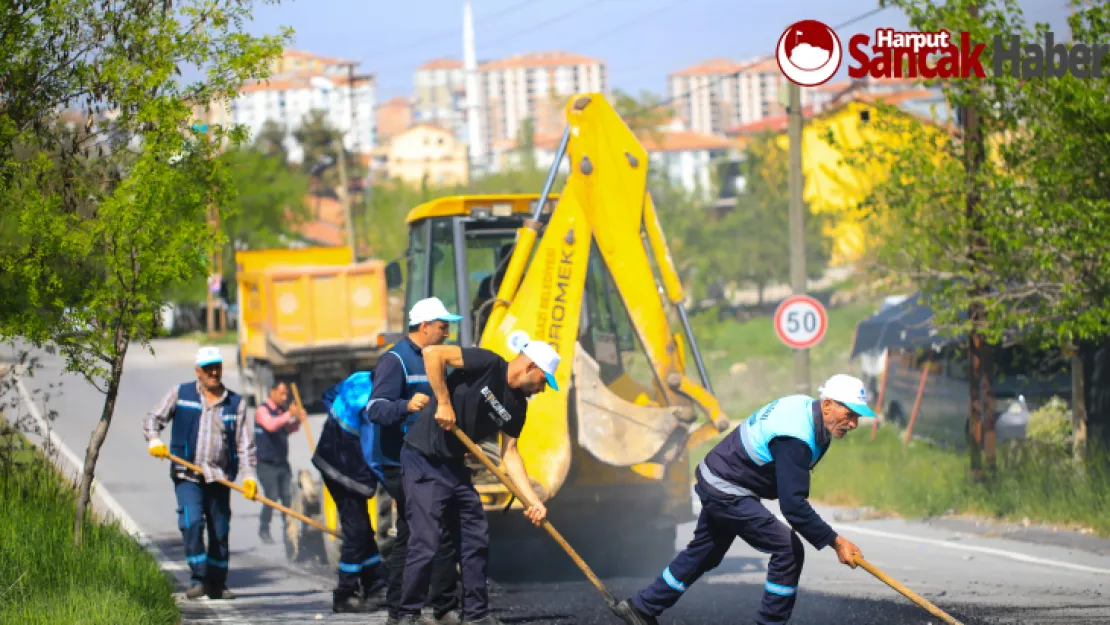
(225, 613)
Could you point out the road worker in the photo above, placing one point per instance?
(341, 456)
(768, 457)
(487, 394)
(401, 390)
(274, 421)
(210, 430)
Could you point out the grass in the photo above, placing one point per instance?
(750, 367)
(920, 480)
(45, 579)
(231, 337)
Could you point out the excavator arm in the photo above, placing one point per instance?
(604, 215)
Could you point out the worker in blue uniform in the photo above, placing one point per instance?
(401, 390)
(341, 457)
(768, 457)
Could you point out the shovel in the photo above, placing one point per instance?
(911, 595)
(260, 498)
(608, 596)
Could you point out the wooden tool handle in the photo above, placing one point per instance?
(260, 498)
(301, 416)
(911, 595)
(480, 455)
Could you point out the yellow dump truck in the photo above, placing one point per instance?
(587, 270)
(309, 316)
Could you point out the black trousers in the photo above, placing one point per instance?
(443, 592)
(275, 481)
(440, 495)
(359, 560)
(719, 524)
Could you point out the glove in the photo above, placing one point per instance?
(158, 449)
(250, 488)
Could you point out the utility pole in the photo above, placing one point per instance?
(797, 225)
(217, 272)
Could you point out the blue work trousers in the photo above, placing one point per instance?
(199, 507)
(439, 494)
(359, 560)
(719, 523)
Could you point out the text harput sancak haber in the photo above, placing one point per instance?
(896, 54)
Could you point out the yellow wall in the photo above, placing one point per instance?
(425, 149)
(834, 188)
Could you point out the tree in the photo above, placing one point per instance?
(645, 116)
(269, 199)
(106, 219)
(526, 146)
(1001, 221)
(750, 243)
(321, 144)
(271, 139)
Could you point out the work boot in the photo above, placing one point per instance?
(375, 594)
(265, 536)
(351, 604)
(628, 613)
(220, 593)
(452, 617)
(196, 591)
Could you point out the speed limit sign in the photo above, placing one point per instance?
(800, 321)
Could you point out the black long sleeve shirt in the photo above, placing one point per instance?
(792, 458)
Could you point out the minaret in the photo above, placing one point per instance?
(477, 147)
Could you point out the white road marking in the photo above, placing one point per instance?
(225, 613)
(1002, 553)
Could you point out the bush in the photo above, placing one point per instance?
(1050, 424)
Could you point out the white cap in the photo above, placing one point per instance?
(209, 355)
(849, 391)
(430, 309)
(545, 356)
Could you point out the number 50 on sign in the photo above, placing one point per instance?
(801, 322)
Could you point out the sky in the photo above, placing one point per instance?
(640, 41)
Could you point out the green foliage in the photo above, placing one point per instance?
(268, 204)
(45, 579)
(920, 479)
(1032, 255)
(321, 143)
(1051, 425)
(526, 146)
(107, 218)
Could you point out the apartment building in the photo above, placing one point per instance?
(525, 86)
(718, 94)
(441, 95)
(302, 82)
(394, 116)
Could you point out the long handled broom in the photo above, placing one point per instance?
(585, 568)
(260, 498)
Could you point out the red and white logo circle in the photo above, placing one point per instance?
(809, 53)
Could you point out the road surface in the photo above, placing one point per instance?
(977, 574)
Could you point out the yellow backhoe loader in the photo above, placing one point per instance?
(588, 271)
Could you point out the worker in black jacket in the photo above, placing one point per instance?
(768, 457)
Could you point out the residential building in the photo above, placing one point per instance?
(427, 152)
(303, 82)
(525, 86)
(441, 95)
(394, 117)
(832, 186)
(684, 156)
(718, 94)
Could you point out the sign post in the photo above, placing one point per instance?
(801, 322)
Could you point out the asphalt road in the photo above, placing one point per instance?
(978, 574)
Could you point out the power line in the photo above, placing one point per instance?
(720, 78)
(422, 40)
